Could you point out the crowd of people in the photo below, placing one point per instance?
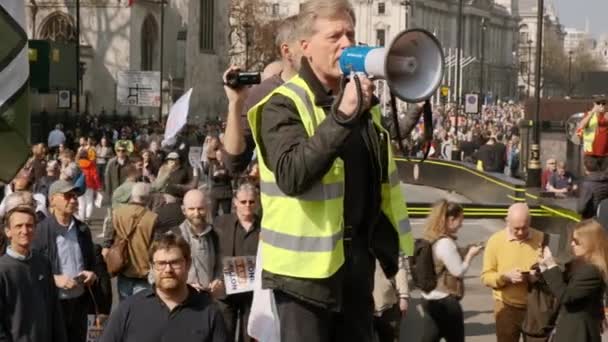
(491, 139)
(301, 178)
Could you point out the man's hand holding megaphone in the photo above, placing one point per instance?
(355, 98)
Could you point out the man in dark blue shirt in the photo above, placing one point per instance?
(173, 311)
(29, 305)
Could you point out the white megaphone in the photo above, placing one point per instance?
(412, 64)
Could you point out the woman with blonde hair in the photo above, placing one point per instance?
(579, 289)
(444, 318)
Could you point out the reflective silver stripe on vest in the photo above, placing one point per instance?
(405, 226)
(300, 243)
(393, 178)
(319, 192)
(303, 95)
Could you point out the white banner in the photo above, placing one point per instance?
(138, 88)
(239, 274)
(178, 117)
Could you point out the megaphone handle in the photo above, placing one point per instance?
(355, 78)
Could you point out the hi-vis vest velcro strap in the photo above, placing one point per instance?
(319, 192)
(300, 243)
(404, 226)
(301, 93)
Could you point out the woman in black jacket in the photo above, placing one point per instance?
(580, 288)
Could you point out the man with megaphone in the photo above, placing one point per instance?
(330, 190)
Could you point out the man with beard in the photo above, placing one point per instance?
(205, 272)
(173, 311)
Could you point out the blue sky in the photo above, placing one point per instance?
(573, 13)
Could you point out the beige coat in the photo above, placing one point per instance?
(388, 291)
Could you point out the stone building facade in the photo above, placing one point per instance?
(113, 37)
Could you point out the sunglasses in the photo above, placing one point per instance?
(121, 151)
(601, 103)
(69, 195)
(247, 202)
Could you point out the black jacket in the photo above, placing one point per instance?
(594, 189)
(299, 161)
(29, 304)
(45, 243)
(579, 291)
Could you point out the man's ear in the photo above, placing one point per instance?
(304, 46)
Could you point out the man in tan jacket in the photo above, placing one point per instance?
(390, 302)
(134, 222)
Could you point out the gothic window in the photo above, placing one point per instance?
(207, 22)
(149, 39)
(58, 27)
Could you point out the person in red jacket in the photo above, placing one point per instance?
(93, 184)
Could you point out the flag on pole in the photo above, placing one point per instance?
(14, 89)
(178, 117)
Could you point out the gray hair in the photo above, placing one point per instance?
(247, 187)
(311, 10)
(287, 31)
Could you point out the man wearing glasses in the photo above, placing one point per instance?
(239, 234)
(594, 130)
(68, 245)
(173, 311)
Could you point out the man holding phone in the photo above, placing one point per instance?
(508, 258)
(68, 245)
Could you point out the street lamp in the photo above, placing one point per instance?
(534, 167)
(247, 28)
(570, 53)
(484, 27)
(455, 149)
(529, 67)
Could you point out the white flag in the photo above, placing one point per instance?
(178, 117)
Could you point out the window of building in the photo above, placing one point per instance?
(149, 40)
(380, 37)
(381, 8)
(275, 10)
(58, 27)
(207, 22)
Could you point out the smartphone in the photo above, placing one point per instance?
(79, 279)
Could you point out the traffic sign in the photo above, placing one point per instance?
(471, 103)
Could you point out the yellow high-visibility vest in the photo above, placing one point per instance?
(302, 236)
(589, 134)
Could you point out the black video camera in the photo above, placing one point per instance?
(238, 79)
